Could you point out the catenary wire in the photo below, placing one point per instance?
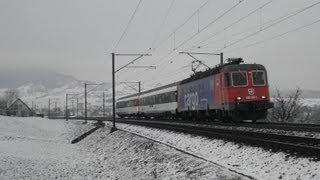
(127, 26)
(269, 26)
(210, 24)
(233, 23)
(162, 24)
(276, 36)
(180, 26)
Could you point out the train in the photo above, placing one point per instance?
(233, 91)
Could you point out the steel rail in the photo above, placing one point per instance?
(294, 145)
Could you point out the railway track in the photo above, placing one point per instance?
(312, 128)
(297, 146)
(294, 145)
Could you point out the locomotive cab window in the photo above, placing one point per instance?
(227, 81)
(258, 78)
(239, 78)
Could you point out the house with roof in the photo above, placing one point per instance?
(19, 108)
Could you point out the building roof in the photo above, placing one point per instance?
(14, 102)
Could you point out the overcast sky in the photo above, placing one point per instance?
(76, 37)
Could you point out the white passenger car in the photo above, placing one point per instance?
(158, 102)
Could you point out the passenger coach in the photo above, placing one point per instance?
(158, 102)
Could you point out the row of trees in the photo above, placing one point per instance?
(290, 109)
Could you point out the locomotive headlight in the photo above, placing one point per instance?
(238, 98)
(263, 97)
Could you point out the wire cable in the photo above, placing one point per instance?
(125, 30)
(275, 37)
(271, 25)
(162, 24)
(210, 24)
(180, 26)
(233, 23)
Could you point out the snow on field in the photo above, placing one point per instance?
(310, 101)
(36, 148)
(253, 161)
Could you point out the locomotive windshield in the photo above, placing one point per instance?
(239, 78)
(259, 78)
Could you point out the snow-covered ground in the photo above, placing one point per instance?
(310, 101)
(36, 148)
(253, 161)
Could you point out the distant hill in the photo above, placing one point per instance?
(48, 78)
(37, 86)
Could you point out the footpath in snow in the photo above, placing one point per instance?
(38, 148)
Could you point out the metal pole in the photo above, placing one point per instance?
(49, 109)
(32, 109)
(55, 109)
(85, 102)
(221, 58)
(66, 107)
(72, 107)
(139, 87)
(113, 96)
(77, 107)
(139, 100)
(104, 107)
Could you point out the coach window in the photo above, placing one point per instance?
(148, 100)
(258, 78)
(159, 99)
(239, 78)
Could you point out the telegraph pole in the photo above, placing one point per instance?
(49, 109)
(85, 103)
(139, 87)
(113, 97)
(66, 107)
(32, 108)
(113, 80)
(77, 107)
(72, 107)
(55, 109)
(104, 107)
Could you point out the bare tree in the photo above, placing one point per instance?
(286, 109)
(3, 106)
(10, 95)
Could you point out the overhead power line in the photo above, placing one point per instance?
(271, 25)
(181, 25)
(125, 30)
(277, 36)
(211, 23)
(162, 24)
(233, 23)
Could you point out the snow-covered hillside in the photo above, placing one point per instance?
(37, 91)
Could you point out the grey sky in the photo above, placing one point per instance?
(77, 36)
